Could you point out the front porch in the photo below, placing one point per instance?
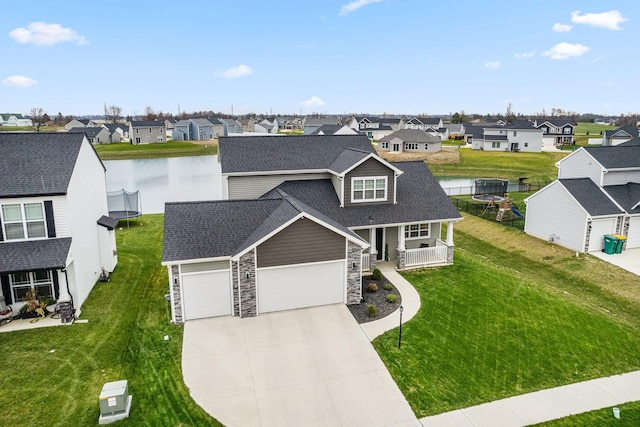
(408, 246)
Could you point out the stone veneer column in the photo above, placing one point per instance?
(400, 261)
(449, 254)
(177, 298)
(247, 280)
(236, 297)
(354, 274)
(373, 258)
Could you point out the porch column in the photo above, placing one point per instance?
(400, 251)
(373, 252)
(450, 233)
(401, 237)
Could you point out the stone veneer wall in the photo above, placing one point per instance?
(248, 284)
(236, 297)
(354, 277)
(400, 259)
(177, 295)
(449, 255)
(373, 258)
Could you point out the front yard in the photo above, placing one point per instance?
(125, 150)
(511, 316)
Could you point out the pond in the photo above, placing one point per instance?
(167, 180)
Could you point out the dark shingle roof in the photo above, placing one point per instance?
(44, 254)
(556, 122)
(628, 129)
(113, 126)
(627, 196)
(37, 163)
(108, 222)
(257, 154)
(634, 141)
(146, 123)
(319, 121)
(329, 129)
(411, 135)
(91, 132)
(420, 198)
(616, 157)
(590, 196)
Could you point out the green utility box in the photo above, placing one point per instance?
(620, 242)
(610, 244)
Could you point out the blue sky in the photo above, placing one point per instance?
(339, 57)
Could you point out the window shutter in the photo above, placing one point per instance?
(51, 223)
(6, 289)
(56, 285)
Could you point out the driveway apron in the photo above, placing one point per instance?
(311, 367)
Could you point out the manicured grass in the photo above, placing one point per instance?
(125, 150)
(511, 316)
(593, 129)
(629, 416)
(493, 164)
(128, 318)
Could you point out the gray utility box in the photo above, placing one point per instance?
(113, 397)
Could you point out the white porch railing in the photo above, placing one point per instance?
(366, 262)
(426, 256)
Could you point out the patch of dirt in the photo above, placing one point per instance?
(444, 156)
(210, 142)
(378, 298)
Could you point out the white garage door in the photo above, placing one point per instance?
(598, 229)
(304, 285)
(206, 294)
(633, 238)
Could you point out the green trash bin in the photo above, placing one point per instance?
(610, 244)
(619, 243)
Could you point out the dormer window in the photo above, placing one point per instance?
(23, 221)
(373, 189)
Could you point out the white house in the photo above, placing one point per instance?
(14, 119)
(55, 233)
(516, 137)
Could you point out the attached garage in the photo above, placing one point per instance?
(633, 239)
(298, 286)
(206, 293)
(600, 227)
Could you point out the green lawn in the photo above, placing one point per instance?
(128, 318)
(125, 150)
(629, 416)
(512, 315)
(476, 163)
(593, 129)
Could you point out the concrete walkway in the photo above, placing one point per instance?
(410, 303)
(628, 260)
(545, 405)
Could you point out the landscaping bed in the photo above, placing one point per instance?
(377, 298)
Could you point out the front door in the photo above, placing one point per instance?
(396, 148)
(379, 243)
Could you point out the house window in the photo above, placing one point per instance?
(567, 130)
(368, 189)
(384, 145)
(137, 140)
(21, 283)
(160, 138)
(417, 231)
(495, 145)
(137, 130)
(23, 221)
(526, 144)
(411, 146)
(545, 130)
(515, 133)
(150, 130)
(426, 147)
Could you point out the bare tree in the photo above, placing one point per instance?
(37, 114)
(149, 113)
(113, 113)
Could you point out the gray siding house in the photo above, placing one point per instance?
(147, 132)
(193, 130)
(410, 141)
(96, 135)
(303, 218)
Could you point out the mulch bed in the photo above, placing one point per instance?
(379, 299)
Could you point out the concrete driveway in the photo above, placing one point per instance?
(311, 367)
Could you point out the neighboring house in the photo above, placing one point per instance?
(456, 130)
(522, 136)
(96, 135)
(619, 135)
(218, 127)
(170, 125)
(265, 126)
(556, 131)
(231, 126)
(117, 131)
(304, 216)
(290, 123)
(55, 235)
(193, 130)
(334, 130)
(424, 123)
(80, 123)
(597, 193)
(248, 125)
(410, 141)
(14, 119)
(310, 124)
(442, 133)
(147, 132)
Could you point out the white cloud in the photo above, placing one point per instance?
(45, 34)
(355, 5)
(562, 28)
(493, 65)
(566, 50)
(18, 81)
(239, 71)
(314, 101)
(525, 55)
(610, 20)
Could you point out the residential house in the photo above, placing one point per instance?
(170, 125)
(96, 135)
(619, 135)
(556, 131)
(597, 193)
(410, 141)
(147, 131)
(424, 123)
(231, 126)
(248, 125)
(218, 127)
(193, 130)
(14, 120)
(310, 124)
(80, 123)
(55, 233)
(519, 136)
(334, 130)
(265, 126)
(303, 217)
(290, 123)
(456, 130)
(121, 129)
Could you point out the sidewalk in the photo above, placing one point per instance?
(544, 405)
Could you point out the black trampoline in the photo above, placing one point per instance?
(490, 189)
(123, 204)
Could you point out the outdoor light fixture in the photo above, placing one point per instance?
(247, 276)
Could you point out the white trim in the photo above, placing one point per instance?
(407, 228)
(172, 296)
(370, 156)
(196, 260)
(302, 264)
(195, 273)
(184, 319)
(364, 189)
(395, 224)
